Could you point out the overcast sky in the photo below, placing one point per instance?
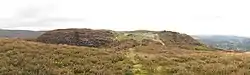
(225, 17)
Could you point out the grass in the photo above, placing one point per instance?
(196, 63)
(138, 36)
(19, 57)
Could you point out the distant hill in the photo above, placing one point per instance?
(225, 42)
(19, 33)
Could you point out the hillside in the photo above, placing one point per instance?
(19, 57)
(19, 33)
(120, 39)
(226, 42)
(106, 52)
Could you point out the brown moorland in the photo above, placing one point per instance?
(19, 57)
(129, 53)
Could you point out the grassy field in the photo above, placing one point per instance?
(19, 57)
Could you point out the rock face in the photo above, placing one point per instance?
(79, 37)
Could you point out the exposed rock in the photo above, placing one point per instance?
(79, 37)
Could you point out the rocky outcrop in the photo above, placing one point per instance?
(119, 40)
(79, 37)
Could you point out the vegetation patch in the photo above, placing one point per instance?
(19, 57)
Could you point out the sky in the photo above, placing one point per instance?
(193, 17)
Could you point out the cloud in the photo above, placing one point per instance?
(35, 17)
(30, 12)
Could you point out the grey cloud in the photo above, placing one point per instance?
(40, 19)
(29, 13)
(38, 23)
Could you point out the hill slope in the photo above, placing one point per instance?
(19, 33)
(19, 57)
(119, 39)
(226, 42)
